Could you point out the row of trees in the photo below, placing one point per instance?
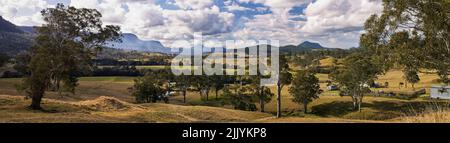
(242, 92)
(157, 60)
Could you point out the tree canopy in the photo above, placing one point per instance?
(305, 88)
(412, 33)
(354, 75)
(64, 48)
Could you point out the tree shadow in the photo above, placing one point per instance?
(335, 108)
(376, 110)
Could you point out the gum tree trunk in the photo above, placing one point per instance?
(184, 96)
(279, 88)
(36, 100)
(217, 96)
(305, 106)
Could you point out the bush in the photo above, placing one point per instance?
(10, 74)
(149, 89)
(239, 100)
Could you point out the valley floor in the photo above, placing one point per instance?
(97, 97)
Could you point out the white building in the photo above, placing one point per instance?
(440, 92)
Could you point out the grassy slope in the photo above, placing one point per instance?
(12, 109)
(111, 110)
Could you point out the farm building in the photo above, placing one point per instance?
(440, 92)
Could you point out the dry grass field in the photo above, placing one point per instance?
(330, 107)
(111, 110)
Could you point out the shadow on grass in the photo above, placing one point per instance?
(334, 109)
(377, 110)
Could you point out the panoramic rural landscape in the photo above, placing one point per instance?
(381, 61)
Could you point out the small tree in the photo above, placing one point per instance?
(354, 76)
(411, 76)
(182, 84)
(285, 78)
(218, 83)
(264, 96)
(148, 89)
(203, 85)
(240, 97)
(305, 88)
(262, 93)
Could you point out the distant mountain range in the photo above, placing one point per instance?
(14, 39)
(305, 46)
(132, 42)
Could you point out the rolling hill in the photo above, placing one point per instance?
(13, 40)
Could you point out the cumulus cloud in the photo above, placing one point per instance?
(142, 16)
(194, 4)
(150, 21)
(278, 25)
(113, 11)
(23, 12)
(209, 21)
(233, 6)
(339, 15)
(278, 6)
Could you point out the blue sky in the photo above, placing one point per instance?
(333, 23)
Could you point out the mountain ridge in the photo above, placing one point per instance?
(132, 42)
(6, 26)
(13, 40)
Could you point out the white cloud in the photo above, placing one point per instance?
(278, 6)
(150, 21)
(277, 25)
(339, 15)
(84, 3)
(113, 11)
(194, 4)
(236, 7)
(142, 16)
(233, 6)
(23, 12)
